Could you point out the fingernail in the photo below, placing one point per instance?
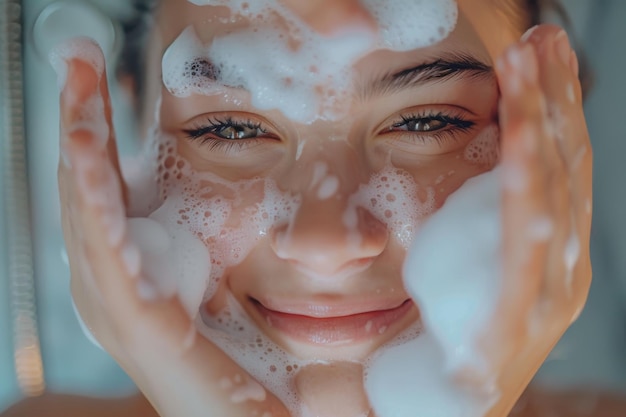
(529, 33)
(573, 63)
(562, 47)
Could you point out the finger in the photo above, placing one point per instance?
(552, 172)
(85, 94)
(331, 16)
(526, 211)
(559, 80)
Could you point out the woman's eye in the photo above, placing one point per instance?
(429, 124)
(229, 135)
(428, 131)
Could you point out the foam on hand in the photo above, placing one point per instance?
(276, 57)
(407, 380)
(174, 262)
(456, 300)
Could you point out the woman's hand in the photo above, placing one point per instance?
(547, 166)
(154, 342)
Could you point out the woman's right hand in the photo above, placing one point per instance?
(150, 340)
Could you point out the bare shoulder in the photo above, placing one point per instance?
(577, 403)
(59, 405)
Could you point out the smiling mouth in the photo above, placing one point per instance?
(334, 330)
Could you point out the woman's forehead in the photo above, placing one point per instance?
(210, 22)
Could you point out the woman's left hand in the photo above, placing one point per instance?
(546, 208)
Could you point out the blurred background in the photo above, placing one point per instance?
(591, 354)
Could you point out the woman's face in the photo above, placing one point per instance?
(322, 277)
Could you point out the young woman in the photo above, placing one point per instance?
(301, 279)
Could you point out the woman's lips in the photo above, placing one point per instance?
(331, 329)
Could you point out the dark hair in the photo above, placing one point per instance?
(522, 13)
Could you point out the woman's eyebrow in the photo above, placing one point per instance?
(442, 68)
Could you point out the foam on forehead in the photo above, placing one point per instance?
(287, 66)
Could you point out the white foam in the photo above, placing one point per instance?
(224, 219)
(276, 57)
(484, 149)
(393, 198)
(328, 187)
(83, 48)
(268, 363)
(174, 261)
(235, 333)
(227, 218)
(407, 379)
(456, 300)
(155, 246)
(428, 22)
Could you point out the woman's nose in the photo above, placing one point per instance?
(330, 238)
(330, 234)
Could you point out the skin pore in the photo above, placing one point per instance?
(317, 268)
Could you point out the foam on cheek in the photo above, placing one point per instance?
(456, 300)
(276, 58)
(267, 362)
(391, 196)
(228, 217)
(484, 149)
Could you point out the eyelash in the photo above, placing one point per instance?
(206, 134)
(454, 125)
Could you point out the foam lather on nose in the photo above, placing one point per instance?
(285, 65)
(456, 299)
